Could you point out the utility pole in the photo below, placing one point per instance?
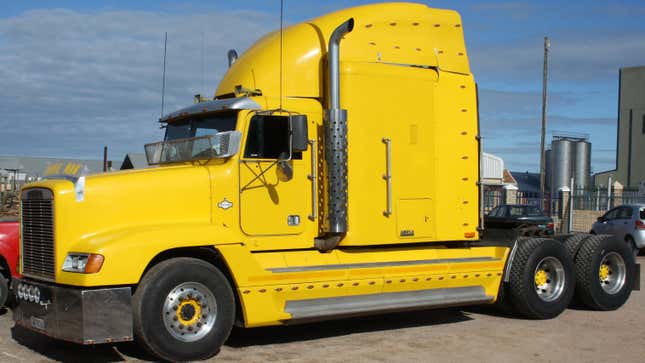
(545, 74)
(105, 160)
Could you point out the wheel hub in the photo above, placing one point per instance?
(540, 277)
(549, 279)
(189, 311)
(604, 272)
(612, 273)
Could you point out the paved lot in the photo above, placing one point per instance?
(449, 335)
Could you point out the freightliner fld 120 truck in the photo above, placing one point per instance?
(342, 182)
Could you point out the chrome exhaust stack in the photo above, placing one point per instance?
(335, 124)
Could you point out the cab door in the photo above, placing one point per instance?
(274, 183)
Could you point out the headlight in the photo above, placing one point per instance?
(88, 263)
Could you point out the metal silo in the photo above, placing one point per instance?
(582, 164)
(563, 154)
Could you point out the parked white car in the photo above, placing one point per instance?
(626, 222)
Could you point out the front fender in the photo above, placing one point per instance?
(128, 251)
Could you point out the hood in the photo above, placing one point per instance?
(115, 203)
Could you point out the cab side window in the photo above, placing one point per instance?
(268, 137)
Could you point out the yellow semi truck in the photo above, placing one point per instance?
(335, 173)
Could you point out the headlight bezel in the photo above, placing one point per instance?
(85, 263)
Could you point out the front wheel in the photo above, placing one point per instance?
(541, 281)
(183, 310)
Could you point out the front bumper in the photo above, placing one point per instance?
(85, 316)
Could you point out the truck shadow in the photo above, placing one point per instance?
(311, 331)
(69, 352)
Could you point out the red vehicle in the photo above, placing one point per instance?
(9, 252)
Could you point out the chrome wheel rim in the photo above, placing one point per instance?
(189, 311)
(549, 279)
(612, 273)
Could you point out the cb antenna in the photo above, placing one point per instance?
(281, 40)
(163, 77)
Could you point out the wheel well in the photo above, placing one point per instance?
(204, 253)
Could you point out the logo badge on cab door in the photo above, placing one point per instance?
(225, 204)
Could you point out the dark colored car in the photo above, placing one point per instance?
(527, 219)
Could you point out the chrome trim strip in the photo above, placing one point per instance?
(333, 307)
(380, 264)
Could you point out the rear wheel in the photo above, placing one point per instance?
(573, 243)
(183, 310)
(541, 282)
(604, 273)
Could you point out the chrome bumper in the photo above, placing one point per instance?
(85, 316)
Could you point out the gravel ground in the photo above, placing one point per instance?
(477, 334)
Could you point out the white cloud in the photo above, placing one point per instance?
(74, 81)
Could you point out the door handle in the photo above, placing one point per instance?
(314, 182)
(388, 175)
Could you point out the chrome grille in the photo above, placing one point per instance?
(37, 213)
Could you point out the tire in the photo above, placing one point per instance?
(207, 310)
(573, 243)
(547, 260)
(611, 291)
(4, 291)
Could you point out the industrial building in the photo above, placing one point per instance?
(569, 157)
(630, 146)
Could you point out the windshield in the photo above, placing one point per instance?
(196, 138)
(203, 126)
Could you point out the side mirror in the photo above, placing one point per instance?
(299, 134)
(601, 219)
(285, 168)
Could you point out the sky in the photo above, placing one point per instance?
(77, 75)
